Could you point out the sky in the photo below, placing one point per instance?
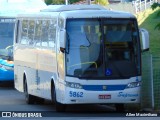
(13, 7)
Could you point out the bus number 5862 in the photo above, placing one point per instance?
(75, 94)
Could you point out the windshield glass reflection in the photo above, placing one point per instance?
(104, 48)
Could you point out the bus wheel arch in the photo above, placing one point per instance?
(59, 107)
(53, 91)
(28, 98)
(24, 80)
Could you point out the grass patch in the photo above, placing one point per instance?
(148, 20)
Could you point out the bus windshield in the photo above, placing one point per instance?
(6, 38)
(102, 48)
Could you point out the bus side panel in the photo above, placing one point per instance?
(25, 64)
(18, 73)
(47, 64)
(59, 83)
(46, 69)
(60, 88)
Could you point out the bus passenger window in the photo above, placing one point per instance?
(24, 33)
(38, 33)
(31, 32)
(44, 38)
(52, 33)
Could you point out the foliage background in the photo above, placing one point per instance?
(48, 2)
(154, 6)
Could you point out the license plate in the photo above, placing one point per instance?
(104, 96)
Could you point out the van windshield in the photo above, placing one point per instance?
(102, 48)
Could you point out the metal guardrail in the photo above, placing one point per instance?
(134, 7)
(150, 82)
(140, 5)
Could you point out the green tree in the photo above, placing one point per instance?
(73, 1)
(48, 2)
(102, 2)
(54, 2)
(154, 6)
(57, 2)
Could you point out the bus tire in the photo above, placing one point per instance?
(59, 107)
(134, 107)
(119, 108)
(29, 98)
(52, 93)
(39, 100)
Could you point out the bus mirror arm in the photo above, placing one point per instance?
(62, 49)
(62, 40)
(145, 50)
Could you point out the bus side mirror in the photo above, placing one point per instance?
(62, 40)
(145, 39)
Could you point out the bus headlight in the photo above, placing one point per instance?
(73, 85)
(134, 84)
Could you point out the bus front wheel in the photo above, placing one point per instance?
(59, 107)
(120, 107)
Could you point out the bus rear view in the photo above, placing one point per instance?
(6, 49)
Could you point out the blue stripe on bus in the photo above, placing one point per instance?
(104, 87)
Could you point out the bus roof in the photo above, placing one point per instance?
(60, 8)
(78, 11)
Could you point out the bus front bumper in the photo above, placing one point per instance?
(81, 96)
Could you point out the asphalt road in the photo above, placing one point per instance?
(12, 102)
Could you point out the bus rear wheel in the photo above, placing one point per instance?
(59, 107)
(39, 100)
(29, 98)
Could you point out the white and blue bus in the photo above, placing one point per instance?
(79, 54)
(8, 11)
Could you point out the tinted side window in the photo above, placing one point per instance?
(38, 33)
(52, 33)
(45, 27)
(31, 32)
(24, 33)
